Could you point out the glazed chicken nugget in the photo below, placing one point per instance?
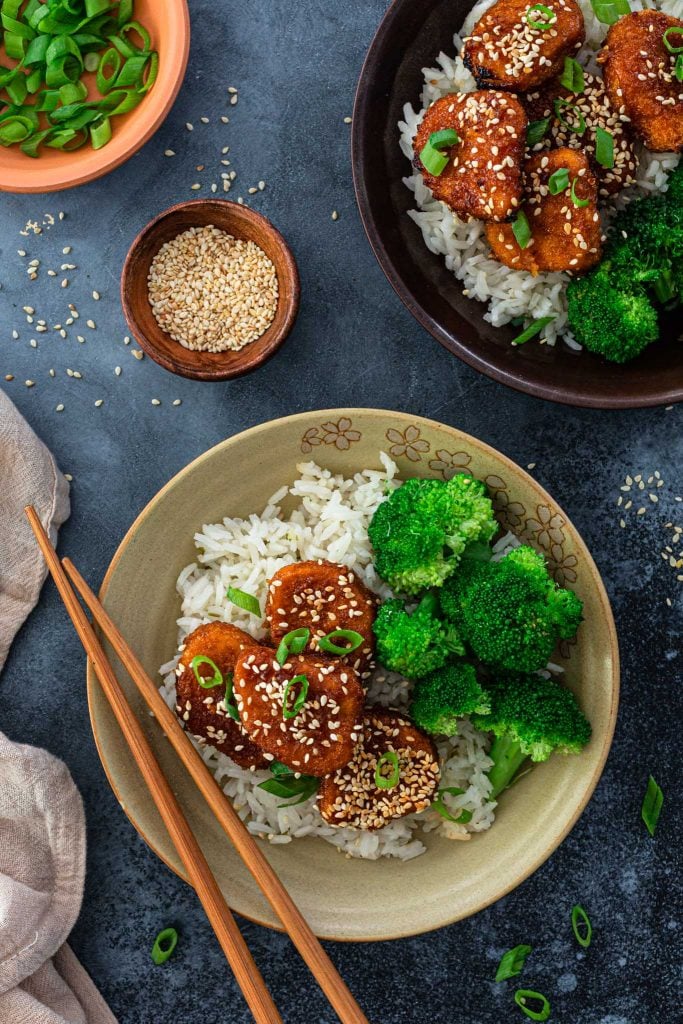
(639, 70)
(564, 235)
(483, 177)
(517, 45)
(203, 710)
(393, 749)
(323, 597)
(306, 713)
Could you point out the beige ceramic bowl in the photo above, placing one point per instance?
(354, 899)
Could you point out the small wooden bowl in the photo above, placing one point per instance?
(241, 222)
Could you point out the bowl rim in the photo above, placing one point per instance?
(293, 297)
(84, 177)
(498, 371)
(405, 418)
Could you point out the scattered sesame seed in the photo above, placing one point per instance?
(176, 401)
(99, 402)
(335, 215)
(155, 401)
(91, 324)
(60, 407)
(169, 152)
(96, 296)
(189, 126)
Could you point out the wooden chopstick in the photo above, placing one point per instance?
(298, 929)
(244, 968)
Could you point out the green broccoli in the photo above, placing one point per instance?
(530, 717)
(617, 323)
(511, 613)
(420, 532)
(414, 644)
(444, 696)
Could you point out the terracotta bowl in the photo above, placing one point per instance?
(168, 24)
(409, 39)
(356, 899)
(241, 222)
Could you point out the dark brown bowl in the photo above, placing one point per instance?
(241, 222)
(410, 37)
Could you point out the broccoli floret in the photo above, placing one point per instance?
(444, 696)
(511, 613)
(608, 320)
(530, 717)
(420, 532)
(414, 644)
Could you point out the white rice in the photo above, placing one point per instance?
(330, 521)
(509, 293)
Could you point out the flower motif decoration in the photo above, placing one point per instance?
(339, 434)
(547, 528)
(510, 513)
(448, 464)
(408, 443)
(562, 566)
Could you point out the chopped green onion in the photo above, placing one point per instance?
(609, 11)
(678, 68)
(293, 642)
(206, 682)
(521, 230)
(671, 31)
(299, 698)
(100, 132)
(581, 926)
(604, 147)
(535, 23)
(326, 643)
(439, 805)
(382, 781)
(535, 133)
(431, 155)
(230, 705)
(572, 75)
(534, 328)
(286, 785)
(575, 199)
(164, 945)
(652, 805)
(522, 996)
(558, 181)
(512, 962)
(561, 104)
(243, 600)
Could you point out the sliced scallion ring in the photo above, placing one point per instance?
(230, 705)
(536, 130)
(387, 781)
(560, 105)
(293, 709)
(609, 11)
(604, 147)
(521, 230)
(433, 159)
(439, 805)
(327, 644)
(536, 23)
(247, 602)
(522, 998)
(672, 31)
(512, 962)
(293, 642)
(558, 181)
(572, 76)
(575, 199)
(652, 805)
(532, 330)
(206, 682)
(164, 945)
(678, 68)
(581, 926)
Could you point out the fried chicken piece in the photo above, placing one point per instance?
(351, 795)
(582, 113)
(322, 597)
(506, 52)
(564, 236)
(483, 177)
(315, 731)
(640, 79)
(203, 711)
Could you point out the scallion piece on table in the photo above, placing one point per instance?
(536, 130)
(575, 199)
(512, 962)
(572, 75)
(521, 230)
(247, 602)
(609, 11)
(353, 642)
(534, 328)
(561, 105)
(604, 147)
(546, 17)
(293, 642)
(673, 30)
(439, 805)
(389, 759)
(206, 682)
(524, 995)
(164, 945)
(652, 805)
(581, 926)
(434, 160)
(558, 181)
(293, 709)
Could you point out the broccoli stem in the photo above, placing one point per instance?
(507, 758)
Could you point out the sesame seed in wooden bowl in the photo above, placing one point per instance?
(210, 289)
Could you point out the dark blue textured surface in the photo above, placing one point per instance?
(296, 66)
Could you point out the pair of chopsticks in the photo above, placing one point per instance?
(244, 968)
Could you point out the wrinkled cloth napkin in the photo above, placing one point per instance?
(42, 825)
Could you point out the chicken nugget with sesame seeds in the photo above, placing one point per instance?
(324, 597)
(306, 713)
(394, 772)
(640, 75)
(517, 45)
(209, 654)
(573, 119)
(483, 176)
(564, 231)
